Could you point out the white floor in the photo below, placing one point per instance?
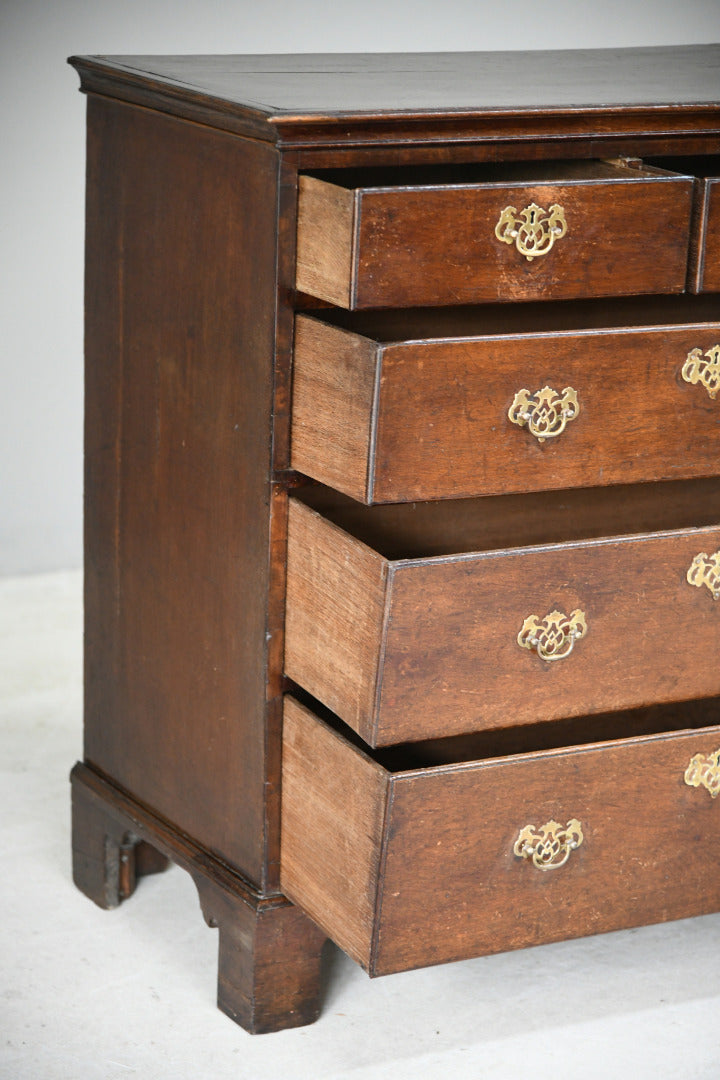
(87, 994)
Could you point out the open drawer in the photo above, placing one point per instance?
(417, 860)
(704, 266)
(459, 235)
(432, 619)
(431, 404)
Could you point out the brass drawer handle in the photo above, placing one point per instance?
(550, 846)
(533, 230)
(704, 771)
(545, 412)
(553, 637)
(703, 368)
(705, 570)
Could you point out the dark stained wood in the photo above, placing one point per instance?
(445, 658)
(269, 960)
(429, 419)
(280, 452)
(642, 860)
(551, 735)
(539, 141)
(711, 251)
(705, 260)
(356, 99)
(419, 242)
(108, 857)
(195, 165)
(446, 883)
(269, 972)
(395, 325)
(704, 264)
(179, 349)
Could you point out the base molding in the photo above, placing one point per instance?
(269, 974)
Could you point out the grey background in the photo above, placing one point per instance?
(41, 182)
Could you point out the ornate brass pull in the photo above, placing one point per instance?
(704, 771)
(533, 230)
(550, 846)
(703, 368)
(553, 637)
(545, 412)
(705, 570)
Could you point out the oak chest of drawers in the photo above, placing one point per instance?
(402, 501)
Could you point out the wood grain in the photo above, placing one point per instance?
(422, 529)
(268, 951)
(704, 261)
(179, 357)
(437, 244)
(326, 234)
(334, 618)
(194, 165)
(410, 101)
(445, 658)
(451, 660)
(438, 426)
(711, 275)
(333, 812)
(705, 255)
(452, 887)
(334, 384)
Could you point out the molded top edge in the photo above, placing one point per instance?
(276, 92)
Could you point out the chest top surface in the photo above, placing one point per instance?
(286, 98)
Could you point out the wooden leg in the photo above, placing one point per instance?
(108, 857)
(269, 963)
(269, 960)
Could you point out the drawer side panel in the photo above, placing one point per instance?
(333, 811)
(334, 376)
(335, 609)
(325, 245)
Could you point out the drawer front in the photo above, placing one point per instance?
(441, 419)
(421, 648)
(426, 866)
(461, 244)
(705, 247)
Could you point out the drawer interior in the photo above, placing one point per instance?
(425, 529)
(701, 165)
(704, 255)
(551, 735)
(575, 731)
(394, 325)
(512, 172)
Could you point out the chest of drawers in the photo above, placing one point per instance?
(402, 513)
